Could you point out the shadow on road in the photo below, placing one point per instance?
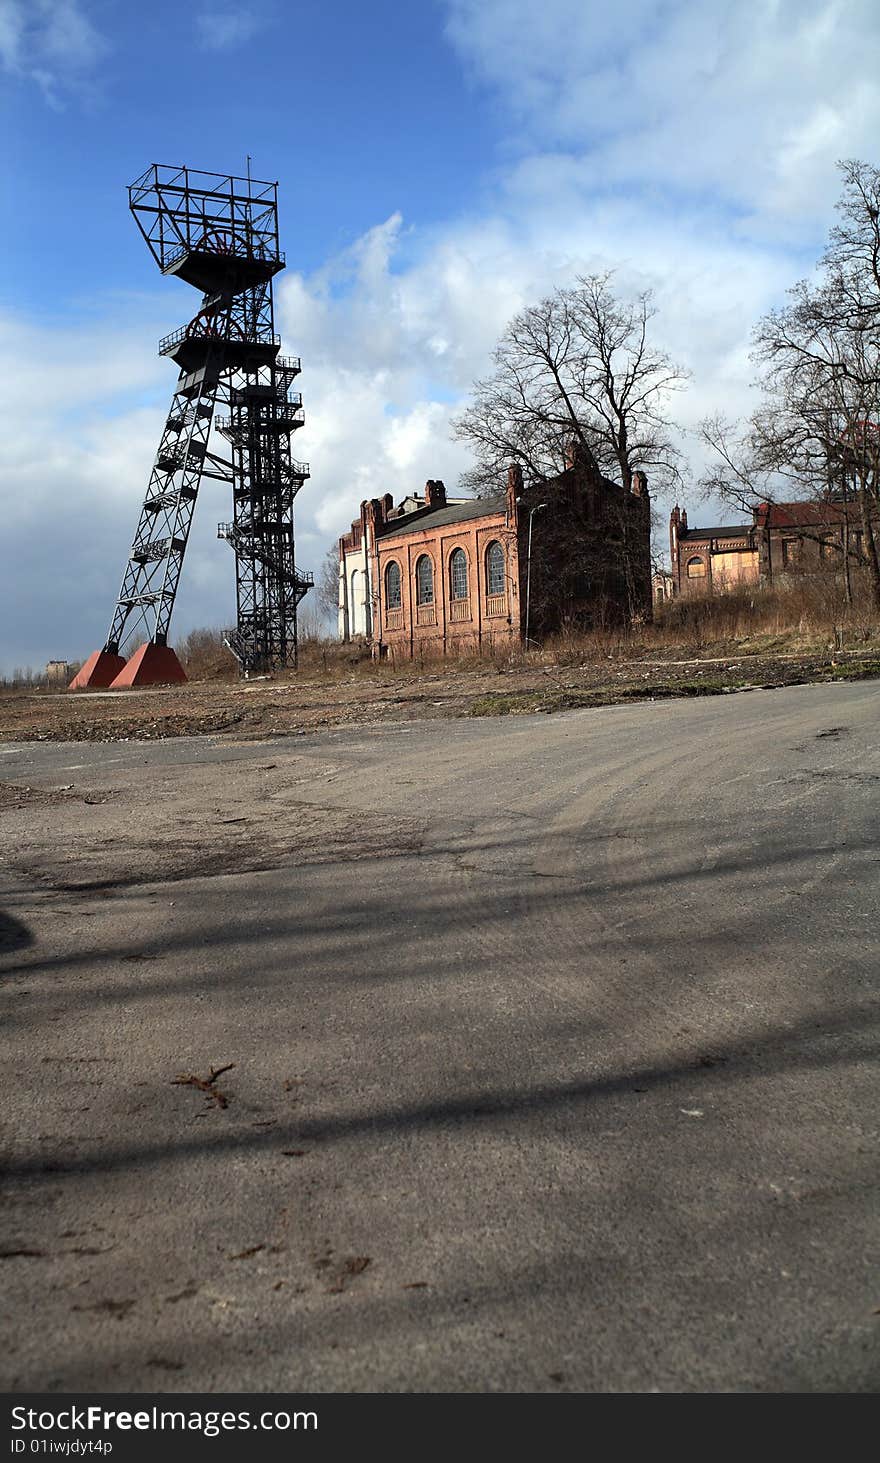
(848, 1037)
(13, 934)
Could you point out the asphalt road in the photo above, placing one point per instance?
(553, 1045)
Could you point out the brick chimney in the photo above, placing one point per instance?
(514, 491)
(640, 484)
(435, 493)
(674, 526)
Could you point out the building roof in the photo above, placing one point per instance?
(738, 530)
(802, 514)
(429, 518)
(799, 515)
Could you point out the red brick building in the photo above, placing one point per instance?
(782, 539)
(452, 576)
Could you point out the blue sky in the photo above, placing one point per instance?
(441, 163)
(356, 109)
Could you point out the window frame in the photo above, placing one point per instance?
(458, 559)
(424, 559)
(495, 544)
(398, 603)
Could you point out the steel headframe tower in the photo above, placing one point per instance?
(220, 235)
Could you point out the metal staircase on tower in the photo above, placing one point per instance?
(218, 234)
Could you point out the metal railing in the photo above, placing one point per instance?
(239, 425)
(199, 329)
(237, 248)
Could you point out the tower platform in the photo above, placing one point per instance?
(217, 270)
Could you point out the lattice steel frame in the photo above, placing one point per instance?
(220, 234)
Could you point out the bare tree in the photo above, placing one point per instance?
(738, 474)
(327, 583)
(794, 445)
(817, 431)
(852, 258)
(578, 368)
(821, 357)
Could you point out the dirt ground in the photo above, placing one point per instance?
(284, 706)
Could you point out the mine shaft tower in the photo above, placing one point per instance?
(220, 235)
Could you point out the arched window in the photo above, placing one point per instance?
(495, 569)
(458, 575)
(424, 581)
(393, 599)
(356, 605)
(696, 569)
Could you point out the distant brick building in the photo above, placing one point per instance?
(782, 539)
(662, 586)
(438, 575)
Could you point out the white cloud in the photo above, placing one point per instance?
(52, 43)
(222, 27)
(748, 103)
(12, 24)
(389, 359)
(73, 468)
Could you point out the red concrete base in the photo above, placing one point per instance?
(151, 665)
(99, 671)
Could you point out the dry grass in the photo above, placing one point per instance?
(808, 611)
(808, 615)
(204, 657)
